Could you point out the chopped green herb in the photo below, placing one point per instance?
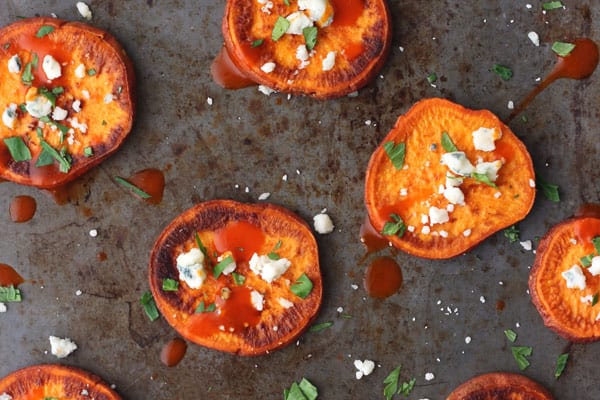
(294, 393)
(17, 148)
(48, 94)
(524, 119)
(205, 309)
(308, 389)
(510, 335)
(44, 159)
(221, 265)
(562, 49)
(586, 261)
(286, 2)
(58, 90)
(170, 285)
(310, 37)
(27, 76)
(561, 364)
(483, 178)
(552, 5)
(64, 164)
(346, 316)
(502, 71)
(238, 279)
(200, 245)
(550, 191)
(273, 255)
(9, 294)
(136, 190)
(34, 60)
(257, 42)
(391, 383)
(281, 26)
(51, 398)
(432, 78)
(39, 133)
(396, 227)
(520, 353)
(44, 30)
(407, 387)
(396, 153)
(91, 72)
(595, 299)
(447, 143)
(302, 287)
(512, 233)
(320, 327)
(23, 107)
(88, 151)
(149, 305)
(596, 243)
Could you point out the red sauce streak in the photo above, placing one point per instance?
(578, 64)
(346, 12)
(241, 238)
(173, 351)
(8, 276)
(588, 210)
(383, 277)
(586, 229)
(226, 74)
(371, 238)
(232, 315)
(22, 208)
(101, 256)
(151, 181)
(500, 305)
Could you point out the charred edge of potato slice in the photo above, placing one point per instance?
(54, 380)
(412, 191)
(105, 93)
(500, 385)
(562, 309)
(361, 49)
(272, 328)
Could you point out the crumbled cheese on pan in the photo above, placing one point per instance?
(323, 223)
(84, 10)
(61, 348)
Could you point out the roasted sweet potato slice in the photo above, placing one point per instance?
(500, 386)
(270, 297)
(564, 282)
(271, 42)
(53, 381)
(445, 178)
(66, 100)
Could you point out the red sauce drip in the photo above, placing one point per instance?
(500, 304)
(371, 238)
(226, 74)
(241, 238)
(234, 314)
(8, 276)
(22, 208)
(101, 256)
(578, 64)
(353, 50)
(151, 181)
(383, 277)
(587, 229)
(504, 150)
(173, 351)
(346, 12)
(588, 210)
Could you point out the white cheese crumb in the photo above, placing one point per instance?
(403, 192)
(298, 21)
(586, 299)
(51, 67)
(528, 6)
(410, 228)
(438, 215)
(467, 233)
(526, 245)
(61, 348)
(76, 106)
(2, 308)
(285, 303)
(534, 37)
(497, 195)
(425, 230)
(84, 10)
(354, 286)
(39, 107)
(510, 105)
(78, 292)
(9, 116)
(454, 195)
(443, 234)
(81, 126)
(267, 91)
(594, 269)
(483, 139)
(429, 376)
(59, 113)
(80, 71)
(482, 299)
(573, 241)
(85, 392)
(489, 168)
(468, 339)
(191, 268)
(323, 224)
(86, 94)
(108, 98)
(209, 100)
(424, 219)
(264, 196)
(453, 181)
(574, 278)
(93, 233)
(340, 310)
(317, 11)
(329, 61)
(257, 300)
(268, 269)
(364, 368)
(5, 396)
(458, 163)
(532, 183)
(268, 67)
(14, 64)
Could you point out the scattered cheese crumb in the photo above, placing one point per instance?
(93, 233)
(340, 310)
(5, 396)
(329, 61)
(84, 10)
(59, 114)
(267, 91)
(323, 224)
(510, 105)
(209, 100)
(78, 293)
(532, 183)
(61, 348)
(80, 71)
(574, 278)
(76, 106)
(429, 376)
(268, 67)
(108, 98)
(364, 368)
(482, 299)
(2, 307)
(526, 245)
(264, 196)
(534, 37)
(285, 303)
(257, 300)
(468, 339)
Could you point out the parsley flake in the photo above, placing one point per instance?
(170, 285)
(561, 364)
(44, 30)
(483, 178)
(512, 233)
(447, 143)
(396, 153)
(562, 49)
(320, 327)
(149, 305)
(136, 190)
(396, 227)
(432, 78)
(238, 279)
(202, 308)
(88, 151)
(520, 353)
(310, 37)
(281, 26)
(257, 42)
(549, 190)
(552, 5)
(220, 267)
(200, 245)
(91, 72)
(391, 383)
(302, 287)
(595, 299)
(407, 387)
(9, 294)
(502, 71)
(510, 335)
(17, 148)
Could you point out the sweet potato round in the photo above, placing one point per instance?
(561, 308)
(362, 46)
(105, 93)
(275, 326)
(55, 381)
(500, 386)
(411, 191)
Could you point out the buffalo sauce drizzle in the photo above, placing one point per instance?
(383, 277)
(588, 210)
(346, 12)
(22, 208)
(372, 239)
(579, 64)
(242, 238)
(8, 276)
(151, 181)
(173, 351)
(226, 74)
(585, 230)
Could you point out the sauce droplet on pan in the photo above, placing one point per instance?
(586, 230)
(101, 256)
(22, 208)
(588, 210)
(151, 181)
(580, 63)
(500, 304)
(226, 74)
(371, 238)
(8, 276)
(173, 351)
(383, 277)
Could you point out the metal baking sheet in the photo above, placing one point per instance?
(243, 144)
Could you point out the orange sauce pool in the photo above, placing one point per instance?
(588, 210)
(173, 352)
(242, 238)
(347, 12)
(586, 229)
(22, 208)
(8, 276)
(226, 74)
(151, 181)
(371, 238)
(383, 277)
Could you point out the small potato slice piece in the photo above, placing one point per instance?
(55, 381)
(445, 205)
(66, 100)
(240, 312)
(500, 386)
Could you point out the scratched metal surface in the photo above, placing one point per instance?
(251, 140)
